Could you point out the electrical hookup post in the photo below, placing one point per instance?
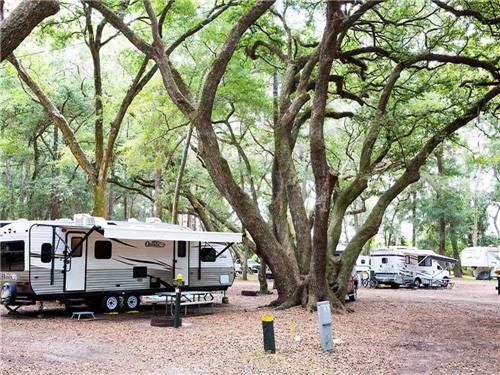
(325, 326)
(179, 283)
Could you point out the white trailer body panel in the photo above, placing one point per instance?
(481, 259)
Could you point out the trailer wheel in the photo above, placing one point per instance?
(110, 303)
(354, 295)
(8, 294)
(132, 302)
(417, 283)
(394, 286)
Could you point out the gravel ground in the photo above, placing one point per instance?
(390, 332)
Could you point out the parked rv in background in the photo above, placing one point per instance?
(108, 263)
(362, 263)
(401, 265)
(483, 261)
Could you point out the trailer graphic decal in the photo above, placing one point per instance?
(157, 262)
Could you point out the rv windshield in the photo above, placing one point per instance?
(12, 254)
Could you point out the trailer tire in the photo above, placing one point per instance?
(354, 295)
(395, 286)
(131, 302)
(417, 283)
(110, 303)
(8, 294)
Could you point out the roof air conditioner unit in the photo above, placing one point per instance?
(153, 220)
(83, 219)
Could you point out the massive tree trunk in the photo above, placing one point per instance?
(263, 287)
(100, 207)
(21, 22)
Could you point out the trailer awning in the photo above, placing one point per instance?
(163, 234)
(442, 258)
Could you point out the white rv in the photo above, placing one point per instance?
(362, 263)
(484, 261)
(400, 265)
(108, 263)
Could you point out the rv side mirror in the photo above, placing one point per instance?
(46, 253)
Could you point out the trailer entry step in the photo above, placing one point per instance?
(83, 314)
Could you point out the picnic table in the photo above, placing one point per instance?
(188, 298)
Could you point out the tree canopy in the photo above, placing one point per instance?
(303, 124)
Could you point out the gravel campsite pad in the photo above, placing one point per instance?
(402, 331)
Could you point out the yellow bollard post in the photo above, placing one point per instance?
(268, 333)
(293, 330)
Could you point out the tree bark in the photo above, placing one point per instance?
(414, 219)
(457, 268)
(21, 22)
(178, 181)
(55, 207)
(495, 221)
(111, 198)
(442, 221)
(263, 287)
(99, 208)
(158, 206)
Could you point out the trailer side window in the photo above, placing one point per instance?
(384, 260)
(102, 250)
(76, 247)
(207, 254)
(424, 261)
(362, 261)
(12, 254)
(181, 249)
(46, 253)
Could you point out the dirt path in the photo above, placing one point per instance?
(390, 332)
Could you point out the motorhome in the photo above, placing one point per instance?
(401, 265)
(484, 261)
(108, 263)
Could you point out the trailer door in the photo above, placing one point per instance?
(181, 259)
(75, 266)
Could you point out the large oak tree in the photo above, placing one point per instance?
(390, 53)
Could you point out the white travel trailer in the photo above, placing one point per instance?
(400, 265)
(362, 263)
(108, 263)
(484, 261)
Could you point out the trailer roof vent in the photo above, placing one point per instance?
(153, 220)
(132, 220)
